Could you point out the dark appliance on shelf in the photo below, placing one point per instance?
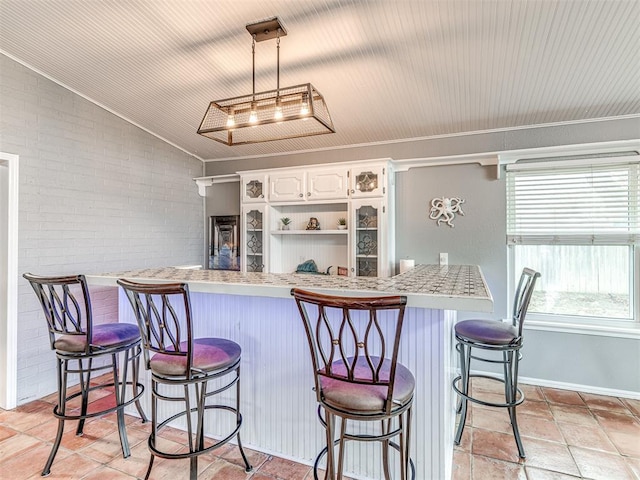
(224, 242)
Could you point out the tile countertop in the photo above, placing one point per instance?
(452, 287)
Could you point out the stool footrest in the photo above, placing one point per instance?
(519, 399)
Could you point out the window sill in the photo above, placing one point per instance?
(612, 329)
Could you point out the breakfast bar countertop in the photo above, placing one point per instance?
(450, 287)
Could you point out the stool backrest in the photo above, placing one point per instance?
(66, 305)
(158, 308)
(351, 337)
(524, 291)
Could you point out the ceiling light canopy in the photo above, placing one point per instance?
(288, 112)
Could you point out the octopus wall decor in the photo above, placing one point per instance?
(444, 209)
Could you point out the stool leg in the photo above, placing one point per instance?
(61, 368)
(330, 468)
(154, 423)
(146, 477)
(85, 384)
(248, 467)
(343, 429)
(465, 360)
(386, 428)
(406, 432)
(135, 382)
(511, 386)
(119, 392)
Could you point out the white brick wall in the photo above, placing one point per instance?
(97, 194)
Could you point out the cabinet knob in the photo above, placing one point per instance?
(261, 196)
(353, 191)
(301, 195)
(308, 194)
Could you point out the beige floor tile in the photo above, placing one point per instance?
(573, 414)
(601, 465)
(601, 402)
(633, 405)
(500, 446)
(483, 468)
(284, 469)
(549, 456)
(541, 428)
(563, 397)
(540, 474)
(461, 469)
(586, 436)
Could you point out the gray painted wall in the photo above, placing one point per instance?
(594, 362)
(97, 194)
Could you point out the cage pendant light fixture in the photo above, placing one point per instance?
(288, 112)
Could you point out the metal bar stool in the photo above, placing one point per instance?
(354, 343)
(495, 336)
(180, 363)
(77, 342)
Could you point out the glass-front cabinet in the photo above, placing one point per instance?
(254, 188)
(368, 238)
(255, 238)
(368, 181)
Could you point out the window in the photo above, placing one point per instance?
(578, 223)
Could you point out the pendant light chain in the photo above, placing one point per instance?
(253, 58)
(278, 62)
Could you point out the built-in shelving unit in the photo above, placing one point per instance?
(358, 192)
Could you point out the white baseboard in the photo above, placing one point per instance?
(576, 387)
(611, 392)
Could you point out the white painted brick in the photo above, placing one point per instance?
(96, 194)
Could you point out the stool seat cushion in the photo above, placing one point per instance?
(209, 354)
(491, 332)
(366, 398)
(106, 335)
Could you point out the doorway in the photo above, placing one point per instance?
(8, 279)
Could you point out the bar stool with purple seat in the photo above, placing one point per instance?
(500, 337)
(354, 344)
(183, 369)
(77, 342)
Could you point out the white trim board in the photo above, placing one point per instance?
(576, 387)
(8, 319)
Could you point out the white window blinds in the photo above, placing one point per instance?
(571, 202)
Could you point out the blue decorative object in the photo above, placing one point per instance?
(310, 267)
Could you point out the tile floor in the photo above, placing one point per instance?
(566, 435)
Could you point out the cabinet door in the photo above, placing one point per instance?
(254, 239)
(254, 188)
(287, 187)
(326, 184)
(368, 181)
(367, 223)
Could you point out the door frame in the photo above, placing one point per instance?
(9, 317)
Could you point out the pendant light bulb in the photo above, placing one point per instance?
(253, 115)
(304, 106)
(231, 120)
(277, 114)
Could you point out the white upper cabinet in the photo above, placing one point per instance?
(254, 188)
(287, 187)
(368, 181)
(327, 184)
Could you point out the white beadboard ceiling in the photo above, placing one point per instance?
(388, 69)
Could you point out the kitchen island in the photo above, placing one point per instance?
(278, 403)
